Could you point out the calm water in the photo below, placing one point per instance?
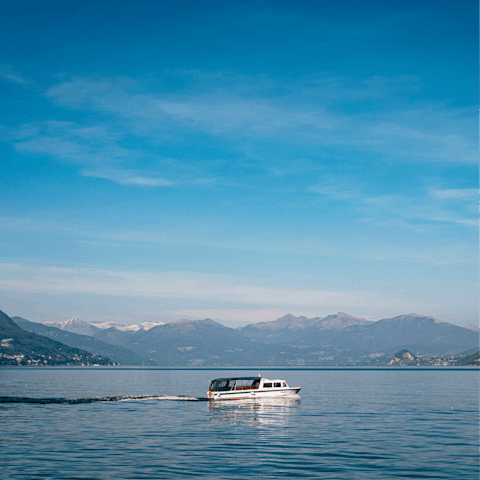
(348, 424)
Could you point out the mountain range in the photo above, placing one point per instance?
(338, 339)
(190, 342)
(19, 347)
(117, 354)
(75, 325)
(289, 328)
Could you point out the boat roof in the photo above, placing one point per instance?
(237, 378)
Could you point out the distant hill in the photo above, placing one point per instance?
(75, 325)
(19, 347)
(283, 329)
(416, 333)
(191, 342)
(287, 321)
(399, 359)
(338, 339)
(92, 345)
(406, 358)
(114, 336)
(475, 328)
(134, 327)
(325, 328)
(289, 328)
(472, 358)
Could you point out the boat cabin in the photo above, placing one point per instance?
(245, 383)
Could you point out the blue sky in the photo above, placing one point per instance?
(239, 160)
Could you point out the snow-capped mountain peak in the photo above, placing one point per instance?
(75, 325)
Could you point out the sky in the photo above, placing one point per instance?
(238, 160)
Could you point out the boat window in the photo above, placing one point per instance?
(284, 384)
(267, 385)
(247, 384)
(278, 385)
(223, 385)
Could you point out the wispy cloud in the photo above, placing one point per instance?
(70, 142)
(338, 187)
(428, 134)
(418, 209)
(455, 193)
(437, 206)
(23, 278)
(98, 152)
(292, 245)
(262, 123)
(321, 115)
(128, 177)
(7, 73)
(217, 113)
(265, 126)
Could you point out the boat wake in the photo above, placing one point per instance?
(117, 398)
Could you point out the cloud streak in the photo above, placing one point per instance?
(97, 149)
(468, 194)
(23, 278)
(426, 133)
(262, 121)
(224, 239)
(7, 73)
(438, 206)
(128, 177)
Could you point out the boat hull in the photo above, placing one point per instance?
(253, 394)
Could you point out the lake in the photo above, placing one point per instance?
(349, 423)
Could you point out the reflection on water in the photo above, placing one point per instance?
(253, 412)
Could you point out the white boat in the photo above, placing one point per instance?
(240, 388)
